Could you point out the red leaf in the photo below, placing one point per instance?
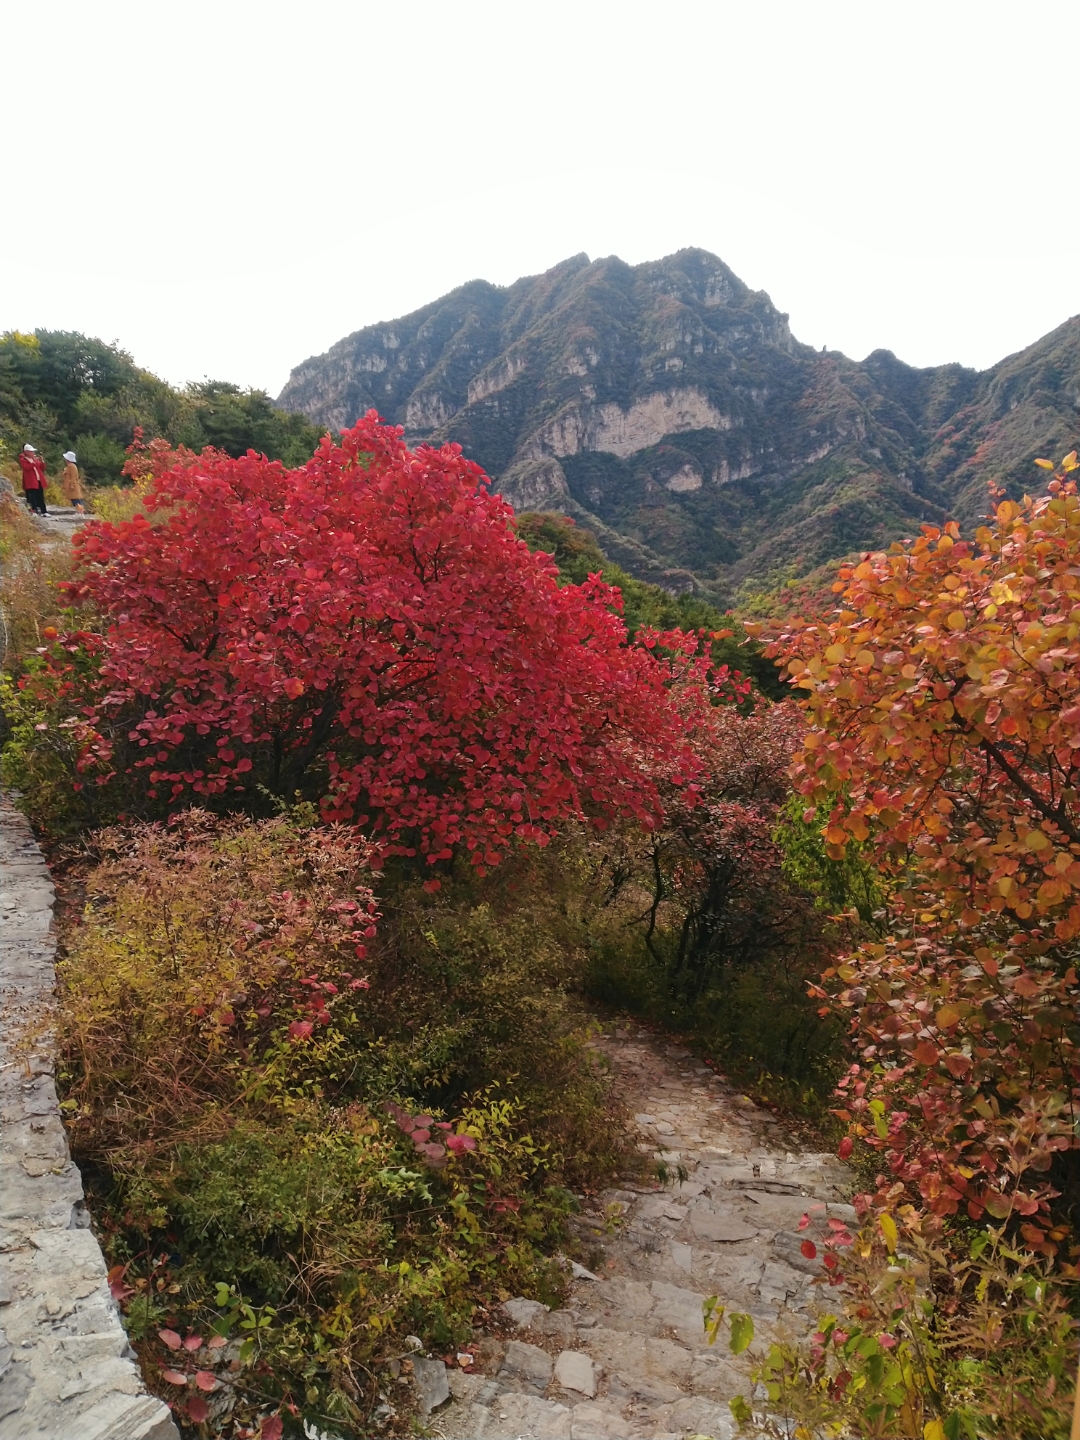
(460, 1143)
(174, 1377)
(206, 1380)
(193, 1342)
(300, 1030)
(217, 1342)
(809, 1249)
(170, 1338)
(197, 1409)
(118, 1289)
(846, 1146)
(271, 1428)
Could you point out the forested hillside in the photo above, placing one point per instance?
(60, 390)
(669, 408)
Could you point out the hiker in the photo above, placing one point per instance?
(71, 482)
(33, 478)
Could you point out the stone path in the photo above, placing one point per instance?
(628, 1356)
(62, 520)
(66, 1369)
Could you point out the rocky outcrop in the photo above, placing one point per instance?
(669, 404)
(67, 1371)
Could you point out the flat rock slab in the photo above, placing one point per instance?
(574, 1371)
(720, 1226)
(432, 1386)
(528, 1363)
(524, 1313)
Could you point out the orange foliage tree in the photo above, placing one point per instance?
(944, 710)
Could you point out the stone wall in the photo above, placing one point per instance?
(67, 1371)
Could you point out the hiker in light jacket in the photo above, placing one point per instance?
(71, 482)
(33, 478)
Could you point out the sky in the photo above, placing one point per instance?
(227, 188)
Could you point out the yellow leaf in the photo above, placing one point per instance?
(956, 620)
(835, 653)
(1070, 462)
(1036, 840)
(865, 657)
(933, 1430)
(889, 1232)
(1045, 464)
(948, 1015)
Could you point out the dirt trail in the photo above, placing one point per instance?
(628, 1356)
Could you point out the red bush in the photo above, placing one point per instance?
(369, 624)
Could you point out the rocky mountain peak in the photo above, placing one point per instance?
(668, 406)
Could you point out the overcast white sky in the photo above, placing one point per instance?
(229, 187)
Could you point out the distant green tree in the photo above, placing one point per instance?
(236, 421)
(55, 367)
(62, 390)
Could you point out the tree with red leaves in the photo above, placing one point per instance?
(367, 628)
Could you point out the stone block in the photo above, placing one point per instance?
(598, 1422)
(787, 1246)
(560, 1323)
(682, 1255)
(680, 1310)
(524, 1313)
(574, 1371)
(723, 1228)
(529, 1416)
(640, 1360)
(528, 1363)
(698, 1416)
(432, 1386)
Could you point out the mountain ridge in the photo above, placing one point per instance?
(669, 407)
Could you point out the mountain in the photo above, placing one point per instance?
(669, 408)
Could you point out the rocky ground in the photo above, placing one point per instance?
(62, 520)
(628, 1356)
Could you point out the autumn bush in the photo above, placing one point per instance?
(302, 1128)
(943, 742)
(368, 630)
(699, 924)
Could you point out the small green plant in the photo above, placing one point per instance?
(928, 1341)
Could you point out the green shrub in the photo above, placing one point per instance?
(936, 1332)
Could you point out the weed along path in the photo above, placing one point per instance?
(628, 1356)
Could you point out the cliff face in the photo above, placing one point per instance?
(668, 406)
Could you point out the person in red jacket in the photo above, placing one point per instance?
(33, 478)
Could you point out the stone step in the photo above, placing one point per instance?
(727, 1225)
